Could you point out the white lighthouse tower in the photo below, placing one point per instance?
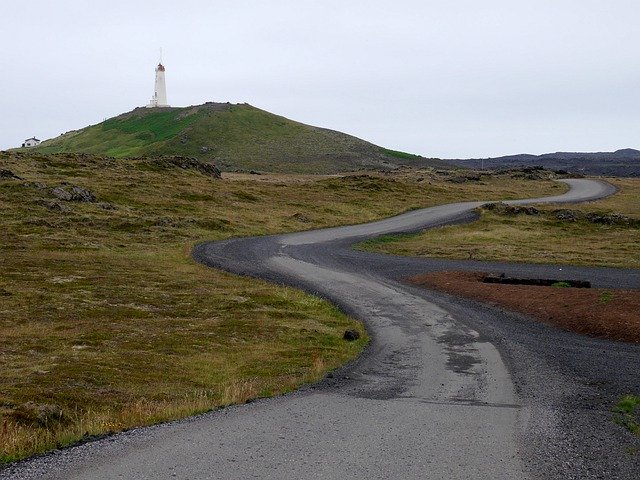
(159, 98)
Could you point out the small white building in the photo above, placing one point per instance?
(31, 142)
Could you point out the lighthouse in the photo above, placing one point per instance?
(159, 98)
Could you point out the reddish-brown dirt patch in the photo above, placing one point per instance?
(613, 314)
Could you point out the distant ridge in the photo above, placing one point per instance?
(621, 163)
(237, 137)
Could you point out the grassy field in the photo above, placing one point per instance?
(235, 136)
(107, 323)
(539, 238)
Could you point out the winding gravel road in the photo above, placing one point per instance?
(448, 389)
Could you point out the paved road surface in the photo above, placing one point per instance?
(448, 388)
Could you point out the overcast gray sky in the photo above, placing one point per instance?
(446, 78)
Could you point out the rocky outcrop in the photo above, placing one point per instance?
(503, 209)
(189, 163)
(53, 205)
(73, 193)
(563, 214)
(4, 173)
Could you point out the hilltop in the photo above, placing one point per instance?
(621, 163)
(237, 137)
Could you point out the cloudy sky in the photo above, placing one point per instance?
(446, 78)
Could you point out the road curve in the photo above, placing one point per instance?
(448, 388)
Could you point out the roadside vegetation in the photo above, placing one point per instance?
(627, 413)
(107, 323)
(601, 233)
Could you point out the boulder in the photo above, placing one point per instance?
(62, 194)
(73, 194)
(302, 218)
(80, 194)
(568, 215)
(55, 206)
(502, 208)
(190, 163)
(351, 335)
(107, 206)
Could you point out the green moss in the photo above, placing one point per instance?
(156, 126)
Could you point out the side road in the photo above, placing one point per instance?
(447, 389)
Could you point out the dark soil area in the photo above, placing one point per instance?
(607, 313)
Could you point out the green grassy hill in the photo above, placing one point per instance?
(235, 137)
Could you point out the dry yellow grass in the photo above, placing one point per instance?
(535, 239)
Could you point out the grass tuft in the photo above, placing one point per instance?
(627, 413)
